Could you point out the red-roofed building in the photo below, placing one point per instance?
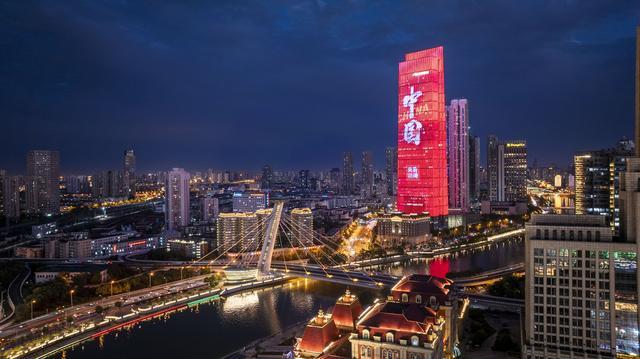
(435, 293)
(319, 334)
(346, 311)
(397, 330)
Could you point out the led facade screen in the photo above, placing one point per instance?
(422, 134)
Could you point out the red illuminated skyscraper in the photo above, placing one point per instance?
(422, 134)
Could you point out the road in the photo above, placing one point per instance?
(86, 310)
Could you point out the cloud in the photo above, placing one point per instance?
(240, 83)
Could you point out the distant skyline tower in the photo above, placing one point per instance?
(177, 199)
(347, 174)
(495, 168)
(303, 178)
(43, 181)
(458, 154)
(366, 175)
(391, 169)
(474, 168)
(422, 134)
(130, 172)
(515, 170)
(266, 181)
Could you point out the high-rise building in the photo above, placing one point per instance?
(12, 204)
(237, 231)
(366, 176)
(303, 179)
(581, 289)
(267, 177)
(391, 170)
(129, 173)
(109, 183)
(474, 168)
(177, 199)
(422, 134)
(302, 226)
(458, 154)
(249, 201)
(495, 169)
(209, 208)
(334, 179)
(43, 181)
(597, 183)
(348, 177)
(515, 170)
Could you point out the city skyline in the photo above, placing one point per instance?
(112, 91)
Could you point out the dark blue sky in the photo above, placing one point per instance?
(239, 84)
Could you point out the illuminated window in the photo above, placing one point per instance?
(389, 337)
(365, 334)
(418, 299)
(415, 341)
(405, 297)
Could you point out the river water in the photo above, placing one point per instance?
(215, 329)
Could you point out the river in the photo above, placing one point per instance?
(215, 329)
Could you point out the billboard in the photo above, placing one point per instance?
(422, 134)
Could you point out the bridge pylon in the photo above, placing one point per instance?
(269, 240)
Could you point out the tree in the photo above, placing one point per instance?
(99, 309)
(509, 287)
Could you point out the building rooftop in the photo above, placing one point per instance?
(396, 316)
(423, 283)
(582, 220)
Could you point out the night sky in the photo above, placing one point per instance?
(235, 85)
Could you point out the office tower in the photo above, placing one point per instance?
(391, 170)
(348, 179)
(43, 181)
(597, 183)
(237, 231)
(177, 199)
(303, 179)
(302, 226)
(367, 173)
(266, 181)
(515, 170)
(495, 169)
(474, 168)
(581, 289)
(249, 202)
(422, 134)
(334, 179)
(458, 154)
(210, 208)
(129, 173)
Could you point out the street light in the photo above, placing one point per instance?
(32, 302)
(150, 275)
(71, 296)
(113, 281)
(181, 268)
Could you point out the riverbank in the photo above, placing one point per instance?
(436, 251)
(53, 343)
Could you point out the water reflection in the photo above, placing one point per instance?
(219, 328)
(471, 261)
(215, 329)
